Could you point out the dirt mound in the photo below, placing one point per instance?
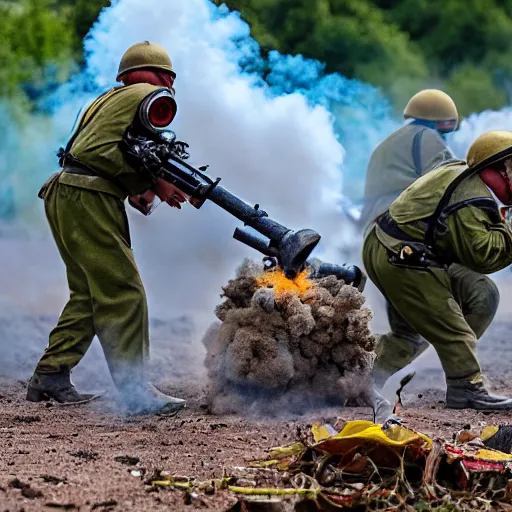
(278, 348)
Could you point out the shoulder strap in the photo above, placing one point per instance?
(416, 151)
(435, 220)
(86, 118)
(484, 203)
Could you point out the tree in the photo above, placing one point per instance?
(33, 37)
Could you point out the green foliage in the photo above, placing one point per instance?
(33, 36)
(41, 40)
(399, 45)
(462, 46)
(473, 90)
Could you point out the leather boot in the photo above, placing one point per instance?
(144, 398)
(474, 395)
(56, 386)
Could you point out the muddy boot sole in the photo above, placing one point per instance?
(171, 409)
(37, 395)
(456, 401)
(34, 395)
(487, 408)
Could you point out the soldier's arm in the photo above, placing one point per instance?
(480, 241)
(434, 151)
(155, 112)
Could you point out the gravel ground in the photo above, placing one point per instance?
(68, 458)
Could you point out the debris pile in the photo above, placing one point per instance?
(281, 343)
(365, 466)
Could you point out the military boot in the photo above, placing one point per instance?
(474, 395)
(144, 398)
(56, 386)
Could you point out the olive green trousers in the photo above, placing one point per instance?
(107, 297)
(450, 309)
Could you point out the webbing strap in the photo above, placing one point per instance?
(416, 152)
(89, 113)
(435, 220)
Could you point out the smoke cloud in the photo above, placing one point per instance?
(296, 144)
(277, 350)
(274, 144)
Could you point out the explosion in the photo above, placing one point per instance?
(276, 280)
(283, 344)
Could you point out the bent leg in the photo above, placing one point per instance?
(477, 295)
(398, 348)
(424, 299)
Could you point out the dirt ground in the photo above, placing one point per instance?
(93, 458)
(69, 456)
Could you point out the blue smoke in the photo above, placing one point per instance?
(360, 115)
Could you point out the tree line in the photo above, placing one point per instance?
(401, 46)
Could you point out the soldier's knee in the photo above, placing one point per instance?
(490, 295)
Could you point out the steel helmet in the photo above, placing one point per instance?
(145, 55)
(490, 147)
(431, 105)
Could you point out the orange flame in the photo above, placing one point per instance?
(277, 280)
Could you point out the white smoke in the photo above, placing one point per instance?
(275, 151)
(270, 146)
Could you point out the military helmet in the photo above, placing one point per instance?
(431, 105)
(145, 55)
(490, 148)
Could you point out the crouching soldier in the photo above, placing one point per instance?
(445, 217)
(85, 209)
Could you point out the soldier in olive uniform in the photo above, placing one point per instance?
(445, 217)
(407, 154)
(85, 209)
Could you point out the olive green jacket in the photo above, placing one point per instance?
(398, 161)
(97, 144)
(476, 236)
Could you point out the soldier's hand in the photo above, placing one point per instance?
(169, 194)
(143, 202)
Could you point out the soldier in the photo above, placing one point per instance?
(86, 213)
(407, 154)
(410, 152)
(445, 217)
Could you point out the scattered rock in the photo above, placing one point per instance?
(49, 479)
(63, 506)
(215, 426)
(109, 503)
(31, 493)
(85, 455)
(127, 459)
(26, 419)
(26, 491)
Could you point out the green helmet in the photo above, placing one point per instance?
(145, 55)
(431, 105)
(490, 147)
